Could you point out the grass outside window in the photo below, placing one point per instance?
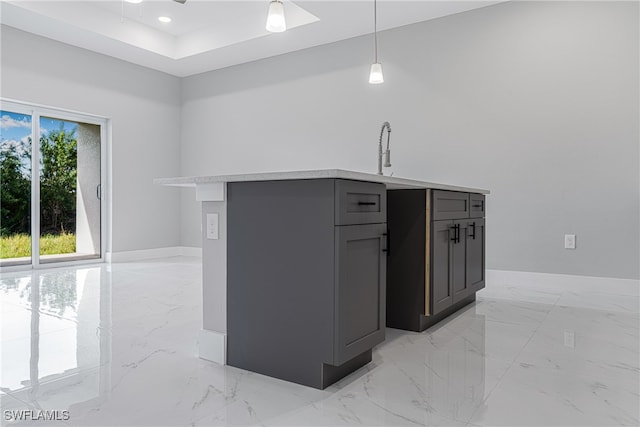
(19, 245)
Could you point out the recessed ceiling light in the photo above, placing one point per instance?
(164, 19)
(133, 1)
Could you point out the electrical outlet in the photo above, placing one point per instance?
(213, 231)
(569, 241)
(569, 338)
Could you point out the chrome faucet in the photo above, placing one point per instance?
(387, 152)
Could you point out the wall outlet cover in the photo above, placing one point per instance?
(569, 241)
(569, 338)
(213, 229)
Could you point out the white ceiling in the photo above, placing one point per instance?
(211, 34)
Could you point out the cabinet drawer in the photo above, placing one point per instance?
(450, 205)
(360, 202)
(476, 205)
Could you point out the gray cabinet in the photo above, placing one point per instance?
(449, 205)
(441, 234)
(360, 202)
(476, 205)
(360, 289)
(437, 261)
(305, 277)
(475, 262)
(459, 265)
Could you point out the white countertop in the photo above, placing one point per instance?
(391, 182)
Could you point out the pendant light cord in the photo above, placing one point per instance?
(375, 29)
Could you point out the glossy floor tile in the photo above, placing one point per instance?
(115, 345)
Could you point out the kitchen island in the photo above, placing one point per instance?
(295, 265)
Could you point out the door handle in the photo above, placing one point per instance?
(473, 234)
(99, 191)
(366, 203)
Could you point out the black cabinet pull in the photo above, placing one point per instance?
(473, 234)
(456, 233)
(366, 203)
(476, 206)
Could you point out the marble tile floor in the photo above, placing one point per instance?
(115, 345)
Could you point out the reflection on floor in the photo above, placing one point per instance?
(116, 345)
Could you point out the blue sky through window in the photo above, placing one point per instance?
(15, 130)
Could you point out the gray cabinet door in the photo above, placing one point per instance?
(360, 289)
(459, 287)
(475, 254)
(441, 258)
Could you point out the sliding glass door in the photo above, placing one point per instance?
(51, 186)
(16, 133)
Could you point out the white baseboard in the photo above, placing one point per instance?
(212, 346)
(191, 251)
(143, 254)
(567, 282)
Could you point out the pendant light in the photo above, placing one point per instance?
(375, 76)
(275, 19)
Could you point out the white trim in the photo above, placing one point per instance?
(49, 265)
(212, 346)
(211, 192)
(172, 251)
(105, 190)
(35, 189)
(190, 251)
(30, 106)
(564, 282)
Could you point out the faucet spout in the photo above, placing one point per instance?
(387, 152)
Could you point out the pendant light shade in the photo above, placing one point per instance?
(275, 19)
(375, 75)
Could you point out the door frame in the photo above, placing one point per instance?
(37, 111)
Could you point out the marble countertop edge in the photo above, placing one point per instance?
(391, 182)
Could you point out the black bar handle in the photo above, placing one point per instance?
(366, 203)
(456, 233)
(473, 226)
(476, 206)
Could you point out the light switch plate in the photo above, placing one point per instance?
(213, 229)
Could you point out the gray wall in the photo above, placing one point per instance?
(144, 107)
(536, 101)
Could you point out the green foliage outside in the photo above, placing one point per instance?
(19, 245)
(59, 153)
(58, 177)
(15, 191)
